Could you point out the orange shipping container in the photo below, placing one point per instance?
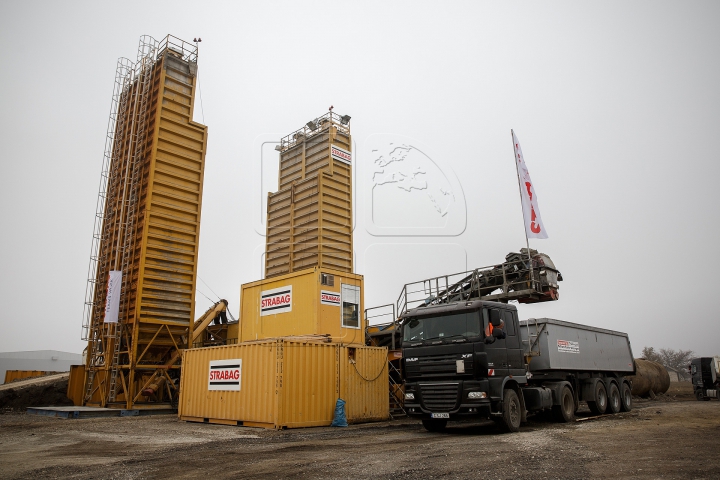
(283, 383)
(316, 301)
(12, 375)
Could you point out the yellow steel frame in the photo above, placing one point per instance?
(159, 296)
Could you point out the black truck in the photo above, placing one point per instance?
(705, 377)
(475, 359)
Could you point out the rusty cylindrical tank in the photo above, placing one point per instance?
(649, 377)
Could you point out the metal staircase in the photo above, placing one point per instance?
(105, 220)
(144, 79)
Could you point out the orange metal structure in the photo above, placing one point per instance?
(309, 218)
(12, 375)
(147, 227)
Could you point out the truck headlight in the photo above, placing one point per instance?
(409, 396)
(476, 395)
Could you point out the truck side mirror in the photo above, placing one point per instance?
(490, 339)
(495, 318)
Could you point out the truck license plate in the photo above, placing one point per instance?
(439, 415)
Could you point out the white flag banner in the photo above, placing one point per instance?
(112, 304)
(534, 227)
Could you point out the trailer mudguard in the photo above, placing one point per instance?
(587, 390)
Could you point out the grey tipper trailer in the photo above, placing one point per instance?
(558, 345)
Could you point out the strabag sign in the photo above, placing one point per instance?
(566, 346)
(277, 300)
(329, 298)
(225, 375)
(340, 154)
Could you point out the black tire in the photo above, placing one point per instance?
(598, 405)
(625, 398)
(434, 425)
(614, 402)
(512, 411)
(699, 395)
(565, 412)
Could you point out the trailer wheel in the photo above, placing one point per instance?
(625, 398)
(512, 411)
(599, 403)
(565, 412)
(614, 402)
(432, 425)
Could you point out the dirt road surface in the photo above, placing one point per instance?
(673, 436)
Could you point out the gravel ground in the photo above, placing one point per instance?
(673, 436)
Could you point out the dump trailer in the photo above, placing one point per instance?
(475, 359)
(705, 377)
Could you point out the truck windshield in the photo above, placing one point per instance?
(454, 325)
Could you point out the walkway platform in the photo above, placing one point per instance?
(94, 412)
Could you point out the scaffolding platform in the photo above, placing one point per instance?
(94, 412)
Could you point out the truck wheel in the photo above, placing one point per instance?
(699, 395)
(614, 402)
(599, 403)
(512, 411)
(432, 425)
(625, 398)
(565, 412)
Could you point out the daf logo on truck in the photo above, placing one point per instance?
(277, 300)
(225, 375)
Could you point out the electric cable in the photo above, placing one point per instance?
(218, 296)
(201, 293)
(361, 375)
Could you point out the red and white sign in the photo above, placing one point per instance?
(330, 298)
(531, 212)
(568, 346)
(277, 300)
(340, 154)
(112, 303)
(225, 375)
(491, 371)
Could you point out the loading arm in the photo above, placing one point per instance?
(218, 310)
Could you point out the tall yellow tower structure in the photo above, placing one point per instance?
(309, 218)
(309, 286)
(140, 298)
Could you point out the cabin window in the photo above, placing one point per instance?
(350, 306)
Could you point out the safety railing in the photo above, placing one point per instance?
(188, 51)
(314, 127)
(508, 281)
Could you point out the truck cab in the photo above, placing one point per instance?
(461, 360)
(705, 378)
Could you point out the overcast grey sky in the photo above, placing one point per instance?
(615, 105)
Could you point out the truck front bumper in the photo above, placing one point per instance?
(447, 398)
(480, 408)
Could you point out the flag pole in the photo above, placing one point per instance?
(527, 242)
